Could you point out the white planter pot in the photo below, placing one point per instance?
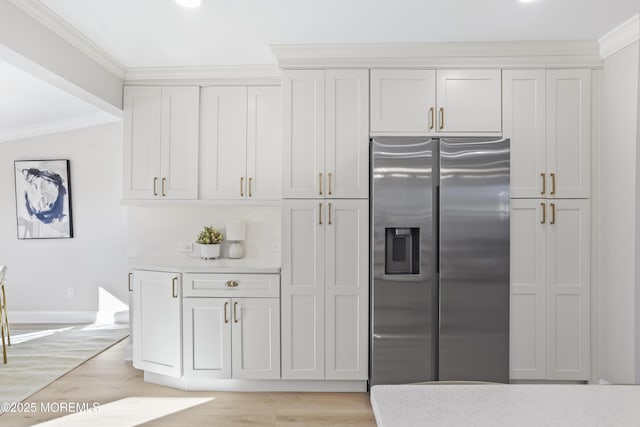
(210, 251)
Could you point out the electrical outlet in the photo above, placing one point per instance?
(71, 293)
(184, 248)
(275, 247)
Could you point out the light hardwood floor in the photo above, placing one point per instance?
(107, 378)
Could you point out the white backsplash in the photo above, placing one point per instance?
(159, 231)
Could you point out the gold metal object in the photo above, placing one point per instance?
(432, 112)
(320, 182)
(155, 185)
(250, 193)
(553, 213)
(235, 314)
(320, 212)
(226, 320)
(174, 287)
(5, 317)
(544, 183)
(441, 118)
(544, 213)
(329, 213)
(241, 186)
(130, 276)
(553, 184)
(231, 284)
(329, 183)
(164, 193)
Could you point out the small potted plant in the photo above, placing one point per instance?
(210, 239)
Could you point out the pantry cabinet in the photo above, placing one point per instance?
(240, 143)
(550, 289)
(157, 322)
(325, 289)
(547, 117)
(161, 142)
(428, 102)
(325, 133)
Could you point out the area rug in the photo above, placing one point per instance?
(49, 354)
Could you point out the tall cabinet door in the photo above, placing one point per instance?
(569, 133)
(302, 296)
(347, 290)
(568, 293)
(403, 101)
(527, 325)
(224, 143)
(264, 143)
(523, 110)
(347, 134)
(207, 337)
(157, 322)
(303, 133)
(142, 115)
(255, 338)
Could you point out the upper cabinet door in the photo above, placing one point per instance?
(223, 149)
(403, 101)
(264, 143)
(303, 133)
(469, 101)
(569, 133)
(523, 98)
(347, 134)
(179, 141)
(142, 113)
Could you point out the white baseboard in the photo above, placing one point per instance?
(52, 316)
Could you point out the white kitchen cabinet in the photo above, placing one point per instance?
(428, 102)
(240, 143)
(157, 322)
(550, 289)
(232, 338)
(325, 289)
(161, 142)
(547, 118)
(325, 136)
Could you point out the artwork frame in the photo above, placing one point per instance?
(43, 199)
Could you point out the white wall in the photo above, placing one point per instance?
(618, 241)
(41, 271)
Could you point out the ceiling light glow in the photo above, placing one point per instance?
(189, 3)
(527, 1)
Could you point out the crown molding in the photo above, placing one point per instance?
(621, 36)
(53, 22)
(546, 54)
(213, 75)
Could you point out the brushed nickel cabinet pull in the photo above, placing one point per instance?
(329, 183)
(544, 213)
(231, 284)
(155, 185)
(164, 193)
(235, 312)
(553, 184)
(226, 319)
(320, 182)
(544, 184)
(553, 213)
(432, 119)
(174, 287)
(250, 193)
(441, 118)
(130, 276)
(329, 213)
(320, 213)
(241, 186)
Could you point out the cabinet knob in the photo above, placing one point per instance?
(231, 284)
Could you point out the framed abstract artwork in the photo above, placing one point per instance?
(43, 199)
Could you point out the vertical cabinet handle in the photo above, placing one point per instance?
(130, 276)
(250, 194)
(320, 182)
(544, 184)
(432, 119)
(441, 118)
(329, 213)
(235, 312)
(544, 213)
(553, 213)
(226, 319)
(241, 186)
(174, 287)
(164, 193)
(553, 184)
(329, 183)
(320, 213)
(155, 185)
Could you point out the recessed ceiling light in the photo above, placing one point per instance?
(189, 3)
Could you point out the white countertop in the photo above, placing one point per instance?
(188, 264)
(504, 405)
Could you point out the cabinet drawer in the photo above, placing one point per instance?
(231, 285)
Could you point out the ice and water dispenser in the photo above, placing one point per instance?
(402, 250)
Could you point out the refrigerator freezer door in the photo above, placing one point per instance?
(403, 299)
(474, 259)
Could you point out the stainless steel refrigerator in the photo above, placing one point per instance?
(440, 259)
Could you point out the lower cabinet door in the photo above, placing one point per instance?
(255, 338)
(207, 337)
(157, 323)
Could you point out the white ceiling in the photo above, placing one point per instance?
(159, 33)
